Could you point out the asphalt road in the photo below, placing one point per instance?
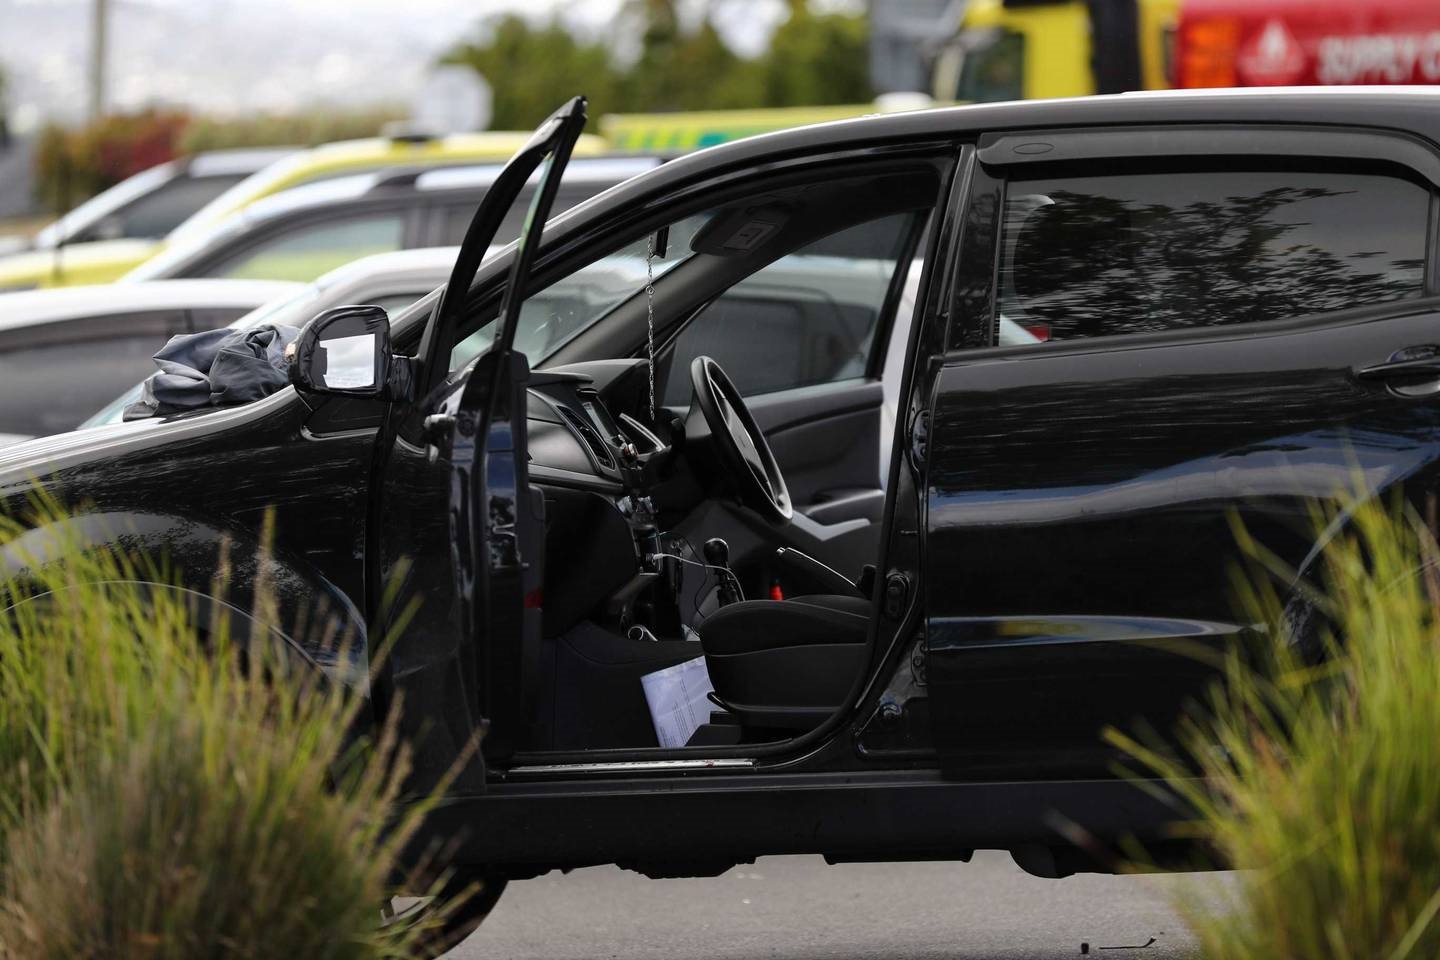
(799, 908)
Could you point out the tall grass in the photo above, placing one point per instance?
(1322, 775)
(171, 790)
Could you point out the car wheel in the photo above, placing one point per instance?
(450, 921)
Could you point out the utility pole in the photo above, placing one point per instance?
(99, 17)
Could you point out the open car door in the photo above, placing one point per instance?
(456, 530)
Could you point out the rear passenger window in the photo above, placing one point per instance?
(455, 220)
(305, 251)
(1090, 256)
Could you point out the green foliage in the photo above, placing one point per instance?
(818, 59)
(532, 70)
(1324, 779)
(814, 59)
(71, 165)
(688, 71)
(173, 791)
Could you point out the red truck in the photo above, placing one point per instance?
(1254, 43)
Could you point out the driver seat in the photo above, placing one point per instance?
(786, 664)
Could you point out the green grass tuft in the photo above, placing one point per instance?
(1322, 775)
(174, 791)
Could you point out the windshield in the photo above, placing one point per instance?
(554, 316)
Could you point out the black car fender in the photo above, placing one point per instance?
(220, 573)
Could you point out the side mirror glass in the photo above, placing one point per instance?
(345, 350)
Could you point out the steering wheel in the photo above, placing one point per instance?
(742, 447)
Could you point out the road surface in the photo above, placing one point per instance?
(798, 908)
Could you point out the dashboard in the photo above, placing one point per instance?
(583, 428)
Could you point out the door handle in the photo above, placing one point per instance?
(1401, 370)
(1413, 371)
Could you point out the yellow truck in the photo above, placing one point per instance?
(1032, 49)
(106, 260)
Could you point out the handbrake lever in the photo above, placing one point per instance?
(831, 580)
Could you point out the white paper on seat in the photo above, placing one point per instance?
(677, 701)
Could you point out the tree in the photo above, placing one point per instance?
(534, 69)
(817, 59)
(695, 71)
(813, 59)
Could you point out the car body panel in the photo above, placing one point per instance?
(84, 263)
(1085, 495)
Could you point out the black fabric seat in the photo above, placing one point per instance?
(786, 663)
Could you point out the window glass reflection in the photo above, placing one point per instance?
(1097, 256)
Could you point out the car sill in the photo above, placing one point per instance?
(626, 766)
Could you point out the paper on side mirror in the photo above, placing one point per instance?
(349, 361)
(678, 705)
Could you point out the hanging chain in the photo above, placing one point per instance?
(650, 318)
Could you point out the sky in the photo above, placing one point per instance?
(239, 56)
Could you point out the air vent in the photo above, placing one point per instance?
(592, 439)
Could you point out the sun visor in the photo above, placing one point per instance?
(741, 231)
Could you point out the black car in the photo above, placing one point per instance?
(1217, 304)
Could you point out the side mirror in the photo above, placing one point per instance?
(345, 351)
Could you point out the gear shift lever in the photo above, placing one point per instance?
(717, 554)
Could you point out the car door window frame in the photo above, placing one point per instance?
(719, 191)
(877, 349)
(975, 299)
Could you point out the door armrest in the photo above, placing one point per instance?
(852, 504)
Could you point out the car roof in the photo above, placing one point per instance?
(341, 157)
(1414, 109)
(34, 307)
(403, 181)
(240, 160)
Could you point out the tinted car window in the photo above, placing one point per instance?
(455, 219)
(156, 214)
(51, 387)
(1102, 255)
(810, 317)
(305, 251)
